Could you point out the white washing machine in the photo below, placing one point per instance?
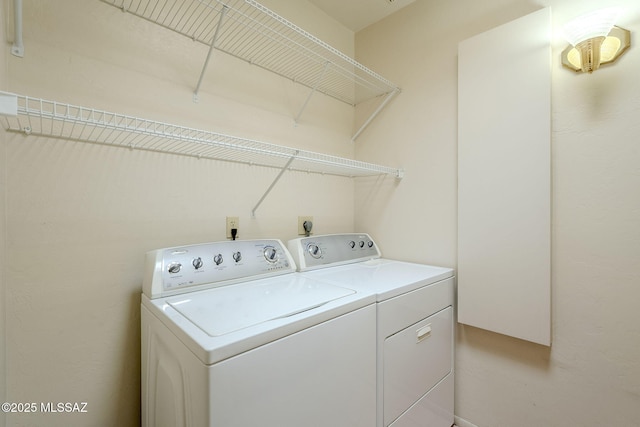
(232, 336)
(415, 384)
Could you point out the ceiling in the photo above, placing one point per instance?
(358, 14)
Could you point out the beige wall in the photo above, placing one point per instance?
(80, 216)
(3, 348)
(590, 375)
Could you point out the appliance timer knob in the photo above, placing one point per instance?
(174, 267)
(370, 243)
(237, 256)
(270, 254)
(361, 243)
(197, 263)
(218, 259)
(352, 244)
(314, 250)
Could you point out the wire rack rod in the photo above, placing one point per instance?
(35, 116)
(253, 33)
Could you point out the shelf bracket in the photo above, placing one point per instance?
(223, 12)
(8, 104)
(375, 113)
(284, 168)
(17, 49)
(315, 88)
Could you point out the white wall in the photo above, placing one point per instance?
(589, 377)
(80, 216)
(3, 366)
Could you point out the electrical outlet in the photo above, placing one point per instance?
(301, 220)
(232, 222)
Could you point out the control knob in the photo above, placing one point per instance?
(352, 244)
(197, 263)
(370, 243)
(218, 259)
(174, 267)
(361, 243)
(237, 256)
(314, 250)
(270, 254)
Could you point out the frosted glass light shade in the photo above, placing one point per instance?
(611, 48)
(591, 25)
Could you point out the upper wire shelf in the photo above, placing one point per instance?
(35, 116)
(247, 30)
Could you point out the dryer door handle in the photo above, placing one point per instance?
(423, 333)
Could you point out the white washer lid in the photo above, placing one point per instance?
(227, 309)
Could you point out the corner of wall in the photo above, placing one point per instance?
(461, 422)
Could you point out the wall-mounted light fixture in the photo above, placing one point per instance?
(594, 40)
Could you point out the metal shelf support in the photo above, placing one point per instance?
(273, 184)
(313, 90)
(375, 113)
(17, 49)
(225, 9)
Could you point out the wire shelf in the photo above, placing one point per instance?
(249, 31)
(35, 116)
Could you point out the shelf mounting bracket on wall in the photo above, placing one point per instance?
(375, 113)
(284, 168)
(17, 49)
(313, 90)
(224, 11)
(8, 104)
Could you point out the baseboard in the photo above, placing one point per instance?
(461, 422)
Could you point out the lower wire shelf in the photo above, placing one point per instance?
(35, 116)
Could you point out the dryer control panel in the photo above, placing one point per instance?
(172, 271)
(332, 249)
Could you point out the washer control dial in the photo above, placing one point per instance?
(174, 267)
(208, 265)
(314, 250)
(270, 254)
(352, 244)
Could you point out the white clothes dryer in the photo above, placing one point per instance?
(415, 336)
(232, 336)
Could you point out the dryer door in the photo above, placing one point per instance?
(415, 360)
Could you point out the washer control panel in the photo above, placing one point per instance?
(181, 269)
(332, 249)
